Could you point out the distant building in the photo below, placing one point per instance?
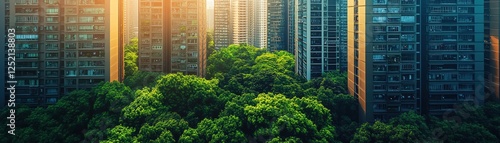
(242, 15)
(130, 20)
(322, 37)
(210, 18)
(172, 36)
(222, 23)
(277, 25)
(260, 36)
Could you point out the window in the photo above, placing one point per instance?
(393, 19)
(407, 47)
(70, 2)
(375, 29)
(466, 66)
(380, 38)
(52, 10)
(51, 37)
(408, 37)
(70, 10)
(70, 64)
(466, 47)
(379, 57)
(71, 19)
(407, 67)
(407, 19)
(393, 28)
(379, 47)
(51, 64)
(394, 10)
(92, 11)
(379, 87)
(379, 67)
(52, 19)
(379, 78)
(87, 19)
(379, 10)
(86, 28)
(466, 57)
(379, 2)
(26, 37)
(27, 19)
(379, 19)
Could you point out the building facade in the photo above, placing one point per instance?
(63, 46)
(242, 18)
(321, 34)
(277, 25)
(453, 49)
(223, 23)
(130, 20)
(260, 36)
(407, 55)
(172, 36)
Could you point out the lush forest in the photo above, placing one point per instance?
(248, 95)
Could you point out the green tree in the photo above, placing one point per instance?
(277, 116)
(130, 58)
(453, 132)
(224, 129)
(120, 134)
(192, 97)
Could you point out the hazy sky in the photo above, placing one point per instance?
(210, 3)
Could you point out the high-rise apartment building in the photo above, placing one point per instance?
(210, 18)
(130, 20)
(172, 36)
(492, 48)
(321, 37)
(242, 15)
(188, 37)
(222, 23)
(64, 45)
(407, 55)
(453, 50)
(260, 39)
(154, 35)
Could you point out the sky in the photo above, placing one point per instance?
(210, 3)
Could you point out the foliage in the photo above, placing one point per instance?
(249, 95)
(130, 58)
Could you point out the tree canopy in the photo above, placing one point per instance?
(249, 95)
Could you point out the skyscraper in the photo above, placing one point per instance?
(189, 36)
(172, 36)
(62, 46)
(321, 37)
(223, 23)
(407, 55)
(453, 52)
(130, 19)
(260, 39)
(277, 25)
(242, 15)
